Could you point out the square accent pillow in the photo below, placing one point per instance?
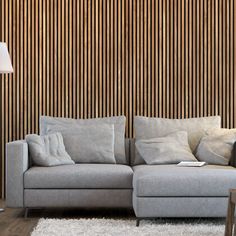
(216, 146)
(48, 150)
(47, 122)
(170, 149)
(88, 143)
(151, 127)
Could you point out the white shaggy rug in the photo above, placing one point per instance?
(113, 227)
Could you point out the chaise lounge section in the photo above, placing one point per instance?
(171, 191)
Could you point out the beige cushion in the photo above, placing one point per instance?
(216, 146)
(88, 143)
(146, 128)
(48, 150)
(119, 130)
(170, 149)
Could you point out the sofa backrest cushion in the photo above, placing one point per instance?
(88, 143)
(147, 128)
(119, 122)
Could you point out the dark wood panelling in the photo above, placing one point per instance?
(87, 58)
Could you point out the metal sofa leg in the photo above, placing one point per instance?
(26, 212)
(137, 222)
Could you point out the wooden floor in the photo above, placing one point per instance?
(13, 223)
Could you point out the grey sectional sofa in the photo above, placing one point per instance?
(151, 190)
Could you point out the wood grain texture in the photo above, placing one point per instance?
(85, 58)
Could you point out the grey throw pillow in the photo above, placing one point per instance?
(88, 143)
(216, 146)
(46, 123)
(147, 128)
(170, 149)
(48, 150)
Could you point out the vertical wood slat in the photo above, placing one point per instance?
(88, 58)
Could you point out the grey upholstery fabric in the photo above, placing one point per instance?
(147, 128)
(132, 152)
(47, 121)
(48, 150)
(119, 123)
(216, 146)
(170, 149)
(233, 156)
(88, 143)
(97, 176)
(91, 198)
(16, 164)
(174, 181)
(127, 150)
(180, 206)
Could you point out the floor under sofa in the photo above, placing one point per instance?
(12, 221)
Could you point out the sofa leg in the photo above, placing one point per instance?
(137, 222)
(26, 212)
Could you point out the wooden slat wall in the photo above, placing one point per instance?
(84, 58)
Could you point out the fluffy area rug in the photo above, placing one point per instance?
(113, 227)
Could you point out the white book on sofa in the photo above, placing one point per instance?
(192, 163)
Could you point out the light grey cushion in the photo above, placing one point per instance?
(83, 176)
(216, 146)
(119, 129)
(48, 150)
(88, 143)
(170, 149)
(147, 128)
(174, 181)
(48, 121)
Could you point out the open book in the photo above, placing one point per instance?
(192, 163)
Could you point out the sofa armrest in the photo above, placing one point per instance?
(233, 156)
(17, 162)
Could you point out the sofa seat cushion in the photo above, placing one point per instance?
(79, 176)
(174, 181)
